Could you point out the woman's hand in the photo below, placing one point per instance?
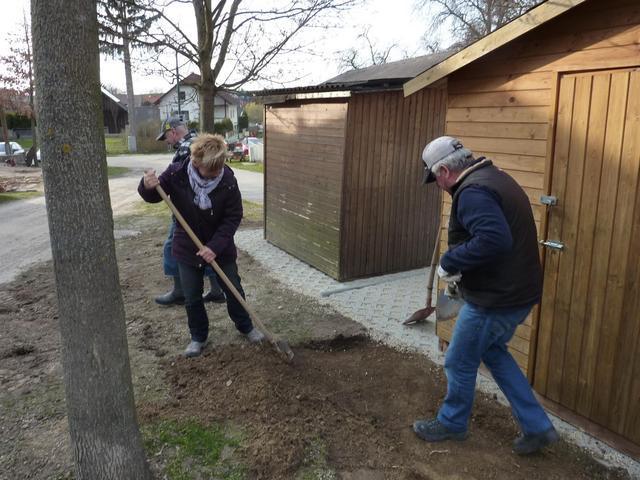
(206, 254)
(150, 179)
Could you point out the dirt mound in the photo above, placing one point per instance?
(345, 400)
(359, 399)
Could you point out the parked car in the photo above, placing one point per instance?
(15, 147)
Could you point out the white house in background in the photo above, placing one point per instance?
(227, 104)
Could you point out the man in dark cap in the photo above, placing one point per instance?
(175, 132)
(493, 259)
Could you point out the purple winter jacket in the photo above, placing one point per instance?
(215, 227)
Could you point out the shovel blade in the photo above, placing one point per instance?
(419, 315)
(447, 307)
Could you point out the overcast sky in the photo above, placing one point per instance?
(390, 21)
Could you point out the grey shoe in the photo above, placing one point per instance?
(194, 349)
(433, 431)
(255, 336)
(527, 444)
(173, 297)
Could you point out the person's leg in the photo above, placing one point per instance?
(196, 313)
(461, 368)
(215, 293)
(170, 266)
(236, 311)
(537, 429)
(509, 377)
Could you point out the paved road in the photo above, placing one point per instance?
(24, 232)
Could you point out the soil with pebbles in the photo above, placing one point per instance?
(354, 397)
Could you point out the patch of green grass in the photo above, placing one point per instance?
(116, 145)
(25, 143)
(116, 171)
(250, 166)
(191, 450)
(13, 196)
(315, 465)
(253, 211)
(160, 210)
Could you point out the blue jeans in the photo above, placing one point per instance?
(169, 262)
(481, 334)
(192, 282)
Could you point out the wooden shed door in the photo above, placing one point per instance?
(588, 351)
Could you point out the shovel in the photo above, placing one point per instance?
(281, 346)
(421, 315)
(449, 303)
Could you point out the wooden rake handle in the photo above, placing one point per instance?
(278, 343)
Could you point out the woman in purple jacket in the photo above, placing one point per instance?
(206, 193)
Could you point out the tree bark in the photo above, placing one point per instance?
(207, 93)
(105, 438)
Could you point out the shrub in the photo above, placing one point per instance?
(146, 137)
(15, 120)
(243, 121)
(223, 126)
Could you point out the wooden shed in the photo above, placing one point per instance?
(343, 174)
(554, 99)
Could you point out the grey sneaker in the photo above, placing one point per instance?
(255, 336)
(527, 444)
(172, 297)
(194, 348)
(433, 431)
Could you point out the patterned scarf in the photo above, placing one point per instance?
(202, 187)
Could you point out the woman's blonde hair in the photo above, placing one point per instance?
(209, 151)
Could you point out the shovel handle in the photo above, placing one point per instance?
(216, 267)
(432, 270)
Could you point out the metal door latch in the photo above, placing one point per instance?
(549, 200)
(554, 244)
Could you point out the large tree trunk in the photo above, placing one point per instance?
(207, 94)
(105, 438)
(132, 143)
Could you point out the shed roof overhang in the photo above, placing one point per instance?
(512, 30)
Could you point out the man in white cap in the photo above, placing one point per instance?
(493, 259)
(174, 131)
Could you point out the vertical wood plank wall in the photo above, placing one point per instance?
(389, 218)
(590, 308)
(304, 152)
(500, 106)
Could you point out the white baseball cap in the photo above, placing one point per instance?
(435, 151)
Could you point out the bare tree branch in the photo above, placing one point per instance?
(470, 20)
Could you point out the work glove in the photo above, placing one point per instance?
(448, 277)
(452, 291)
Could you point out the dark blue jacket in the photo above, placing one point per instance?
(215, 227)
(480, 213)
(493, 240)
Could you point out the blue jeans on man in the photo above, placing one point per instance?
(482, 334)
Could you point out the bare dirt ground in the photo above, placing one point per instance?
(343, 409)
(20, 179)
